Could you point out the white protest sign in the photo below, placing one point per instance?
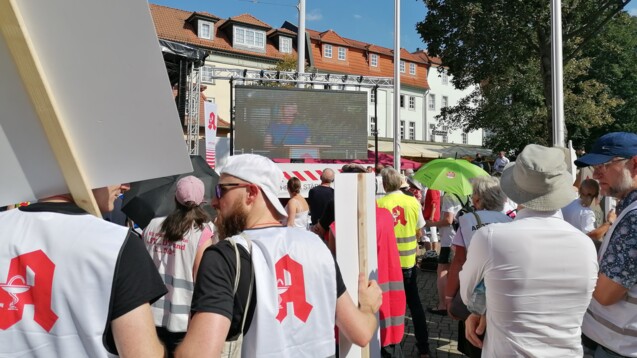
(355, 213)
(85, 98)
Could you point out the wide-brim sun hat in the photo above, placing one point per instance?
(539, 179)
(260, 171)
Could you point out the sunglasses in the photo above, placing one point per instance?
(222, 189)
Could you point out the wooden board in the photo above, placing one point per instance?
(355, 212)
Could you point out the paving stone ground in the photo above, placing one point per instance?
(443, 331)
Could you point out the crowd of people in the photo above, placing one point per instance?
(261, 279)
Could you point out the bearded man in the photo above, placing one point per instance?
(611, 318)
(297, 294)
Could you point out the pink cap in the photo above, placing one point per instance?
(189, 188)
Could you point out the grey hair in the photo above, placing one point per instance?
(327, 176)
(391, 179)
(489, 191)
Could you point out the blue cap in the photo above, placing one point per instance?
(609, 146)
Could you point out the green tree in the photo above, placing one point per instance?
(286, 64)
(505, 46)
(614, 61)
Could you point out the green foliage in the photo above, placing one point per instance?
(505, 46)
(287, 64)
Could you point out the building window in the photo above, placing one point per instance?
(412, 103)
(412, 130)
(205, 30)
(445, 138)
(402, 129)
(412, 69)
(341, 53)
(206, 74)
(373, 60)
(249, 37)
(445, 77)
(372, 96)
(285, 44)
(445, 102)
(402, 101)
(372, 125)
(433, 137)
(432, 102)
(327, 51)
(465, 138)
(402, 66)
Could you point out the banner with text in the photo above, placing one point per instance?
(210, 110)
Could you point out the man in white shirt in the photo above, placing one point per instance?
(538, 270)
(500, 162)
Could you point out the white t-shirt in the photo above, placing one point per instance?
(500, 163)
(583, 218)
(450, 204)
(539, 273)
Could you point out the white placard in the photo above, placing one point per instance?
(346, 214)
(103, 64)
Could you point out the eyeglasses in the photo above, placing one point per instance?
(222, 189)
(605, 166)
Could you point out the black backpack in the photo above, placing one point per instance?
(467, 207)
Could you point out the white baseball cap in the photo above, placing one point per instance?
(260, 171)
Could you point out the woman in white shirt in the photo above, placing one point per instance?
(297, 208)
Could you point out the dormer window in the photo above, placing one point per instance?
(402, 66)
(205, 30)
(412, 69)
(285, 44)
(374, 60)
(250, 38)
(327, 51)
(342, 53)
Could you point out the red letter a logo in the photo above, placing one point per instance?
(291, 286)
(16, 292)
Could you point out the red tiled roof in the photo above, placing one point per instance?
(250, 20)
(171, 24)
(282, 31)
(332, 37)
(427, 58)
(205, 14)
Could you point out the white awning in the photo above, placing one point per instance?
(430, 150)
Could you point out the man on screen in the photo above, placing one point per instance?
(284, 131)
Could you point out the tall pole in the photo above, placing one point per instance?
(301, 40)
(375, 126)
(397, 84)
(557, 74)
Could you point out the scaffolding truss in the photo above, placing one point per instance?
(311, 78)
(193, 98)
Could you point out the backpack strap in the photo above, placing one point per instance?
(237, 276)
(480, 224)
(466, 204)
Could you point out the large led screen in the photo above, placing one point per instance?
(300, 123)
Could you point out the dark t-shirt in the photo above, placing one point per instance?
(136, 280)
(215, 283)
(327, 218)
(318, 198)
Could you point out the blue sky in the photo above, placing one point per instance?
(370, 21)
